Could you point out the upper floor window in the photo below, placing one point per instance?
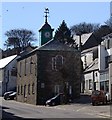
(31, 65)
(25, 66)
(20, 69)
(14, 72)
(107, 42)
(57, 62)
(106, 62)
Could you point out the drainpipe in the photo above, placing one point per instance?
(7, 81)
(94, 84)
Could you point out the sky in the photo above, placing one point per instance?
(30, 15)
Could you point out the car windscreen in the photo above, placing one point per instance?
(96, 92)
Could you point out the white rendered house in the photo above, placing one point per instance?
(96, 68)
(8, 74)
(108, 42)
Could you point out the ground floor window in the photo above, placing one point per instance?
(104, 85)
(24, 90)
(21, 89)
(18, 89)
(86, 85)
(56, 89)
(33, 88)
(29, 89)
(90, 84)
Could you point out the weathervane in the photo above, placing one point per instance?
(46, 14)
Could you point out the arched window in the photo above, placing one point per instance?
(57, 62)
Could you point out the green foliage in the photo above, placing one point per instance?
(83, 28)
(63, 34)
(19, 38)
(109, 22)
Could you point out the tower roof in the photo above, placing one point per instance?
(45, 26)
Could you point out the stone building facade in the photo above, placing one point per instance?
(27, 79)
(51, 69)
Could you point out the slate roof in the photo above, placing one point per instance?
(95, 38)
(107, 36)
(45, 26)
(84, 38)
(6, 61)
(56, 45)
(52, 45)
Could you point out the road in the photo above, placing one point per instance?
(12, 109)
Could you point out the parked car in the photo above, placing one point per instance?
(9, 95)
(55, 100)
(98, 96)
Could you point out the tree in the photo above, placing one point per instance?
(19, 38)
(63, 34)
(109, 22)
(83, 28)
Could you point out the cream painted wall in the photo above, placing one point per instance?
(5, 76)
(87, 58)
(102, 53)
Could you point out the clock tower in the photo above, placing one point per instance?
(46, 32)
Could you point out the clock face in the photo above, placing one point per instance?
(47, 34)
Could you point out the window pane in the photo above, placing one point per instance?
(90, 84)
(101, 85)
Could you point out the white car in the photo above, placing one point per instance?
(108, 97)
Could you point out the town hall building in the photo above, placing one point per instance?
(48, 70)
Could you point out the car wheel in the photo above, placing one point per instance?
(53, 103)
(93, 103)
(5, 98)
(106, 100)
